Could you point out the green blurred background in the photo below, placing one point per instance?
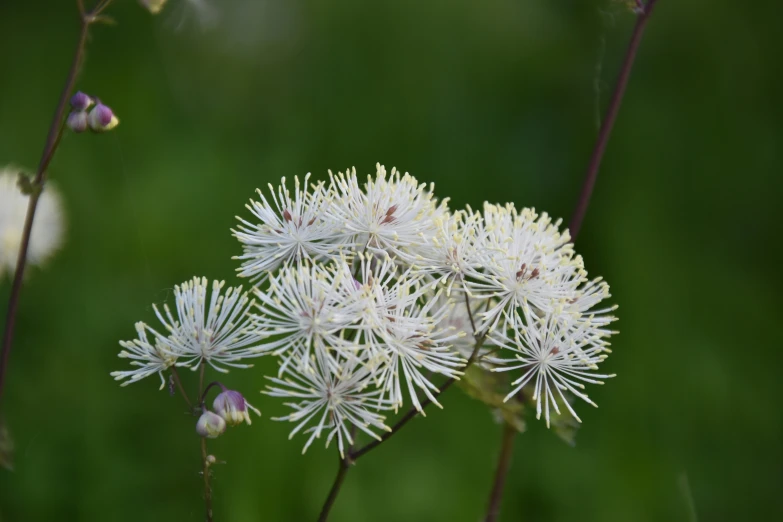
(492, 100)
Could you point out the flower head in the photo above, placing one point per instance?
(216, 332)
(48, 227)
(525, 259)
(307, 308)
(329, 401)
(553, 357)
(101, 118)
(391, 213)
(292, 227)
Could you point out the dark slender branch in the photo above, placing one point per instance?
(207, 487)
(52, 141)
(611, 115)
(643, 16)
(504, 462)
(343, 465)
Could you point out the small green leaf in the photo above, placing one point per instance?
(491, 388)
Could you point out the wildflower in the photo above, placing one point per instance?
(48, 226)
(455, 250)
(393, 214)
(306, 307)
(332, 402)
(233, 407)
(526, 259)
(101, 118)
(554, 359)
(217, 332)
(293, 228)
(210, 425)
(399, 338)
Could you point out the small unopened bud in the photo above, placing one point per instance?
(210, 425)
(80, 101)
(102, 118)
(77, 121)
(233, 407)
(153, 6)
(211, 459)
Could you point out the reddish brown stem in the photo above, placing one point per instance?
(504, 463)
(608, 123)
(52, 141)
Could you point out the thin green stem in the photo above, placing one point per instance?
(178, 382)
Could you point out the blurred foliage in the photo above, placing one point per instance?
(494, 100)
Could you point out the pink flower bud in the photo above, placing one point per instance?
(101, 118)
(77, 121)
(80, 101)
(210, 425)
(233, 407)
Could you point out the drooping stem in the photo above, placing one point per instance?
(504, 462)
(643, 16)
(52, 141)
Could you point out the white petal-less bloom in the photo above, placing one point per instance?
(555, 358)
(391, 213)
(146, 357)
(215, 330)
(526, 259)
(455, 250)
(293, 227)
(330, 402)
(306, 308)
(48, 226)
(400, 337)
(411, 349)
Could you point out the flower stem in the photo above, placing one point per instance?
(643, 16)
(52, 141)
(343, 466)
(207, 487)
(504, 462)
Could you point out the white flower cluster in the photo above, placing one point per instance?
(48, 228)
(365, 291)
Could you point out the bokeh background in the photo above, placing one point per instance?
(494, 100)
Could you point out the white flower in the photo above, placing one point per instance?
(526, 259)
(332, 402)
(306, 308)
(148, 358)
(455, 250)
(401, 337)
(293, 228)
(48, 226)
(217, 332)
(553, 357)
(392, 214)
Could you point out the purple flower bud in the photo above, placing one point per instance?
(210, 425)
(80, 101)
(102, 118)
(77, 121)
(233, 407)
